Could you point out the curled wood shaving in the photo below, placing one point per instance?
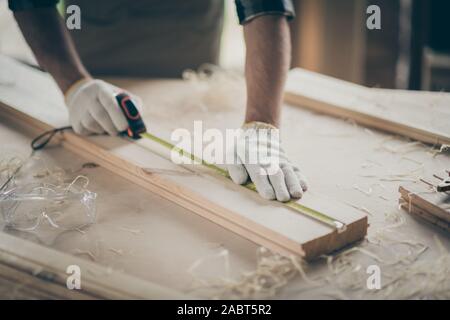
(360, 208)
(271, 274)
(88, 253)
(412, 160)
(367, 193)
(133, 231)
(403, 276)
(403, 149)
(170, 172)
(117, 251)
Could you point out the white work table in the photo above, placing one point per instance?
(151, 238)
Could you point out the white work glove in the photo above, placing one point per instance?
(93, 108)
(258, 155)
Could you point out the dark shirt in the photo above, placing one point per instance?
(246, 9)
(156, 38)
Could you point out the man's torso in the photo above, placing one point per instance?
(158, 38)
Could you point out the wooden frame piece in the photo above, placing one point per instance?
(42, 271)
(418, 200)
(422, 116)
(281, 231)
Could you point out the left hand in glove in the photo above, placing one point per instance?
(258, 156)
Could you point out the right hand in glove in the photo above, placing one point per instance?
(93, 108)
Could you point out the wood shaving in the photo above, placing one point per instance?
(116, 251)
(367, 193)
(271, 274)
(133, 231)
(368, 131)
(361, 208)
(88, 253)
(169, 172)
(80, 231)
(413, 175)
(412, 160)
(402, 150)
(403, 276)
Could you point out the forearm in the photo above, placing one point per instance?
(268, 59)
(46, 34)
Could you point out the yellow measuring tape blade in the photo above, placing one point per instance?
(314, 214)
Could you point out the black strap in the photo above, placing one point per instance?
(42, 140)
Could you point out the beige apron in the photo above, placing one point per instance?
(157, 38)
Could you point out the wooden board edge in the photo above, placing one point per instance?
(415, 199)
(41, 265)
(356, 231)
(187, 199)
(424, 215)
(36, 287)
(365, 119)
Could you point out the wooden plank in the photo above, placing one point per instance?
(165, 188)
(425, 119)
(44, 270)
(422, 201)
(36, 288)
(420, 195)
(266, 223)
(424, 215)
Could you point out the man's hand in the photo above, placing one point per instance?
(258, 155)
(93, 108)
(91, 103)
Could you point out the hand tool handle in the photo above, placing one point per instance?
(136, 125)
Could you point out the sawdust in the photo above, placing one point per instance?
(403, 275)
(87, 253)
(210, 89)
(133, 231)
(116, 251)
(399, 147)
(360, 208)
(170, 172)
(216, 89)
(399, 273)
(412, 160)
(412, 175)
(367, 193)
(272, 273)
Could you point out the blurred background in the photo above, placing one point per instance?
(411, 51)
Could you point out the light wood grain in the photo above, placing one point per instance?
(420, 195)
(44, 270)
(422, 116)
(266, 223)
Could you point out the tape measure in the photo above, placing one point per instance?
(136, 125)
(137, 130)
